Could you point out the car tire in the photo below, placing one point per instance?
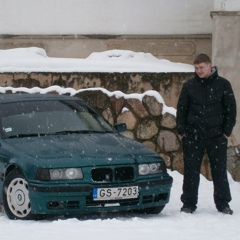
(16, 201)
(152, 210)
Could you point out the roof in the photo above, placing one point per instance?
(18, 97)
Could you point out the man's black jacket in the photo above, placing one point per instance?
(206, 107)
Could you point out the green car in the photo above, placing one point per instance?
(58, 156)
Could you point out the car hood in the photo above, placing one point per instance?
(90, 149)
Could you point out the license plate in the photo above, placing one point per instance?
(115, 193)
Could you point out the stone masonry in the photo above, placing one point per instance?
(146, 123)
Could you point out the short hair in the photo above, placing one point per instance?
(202, 58)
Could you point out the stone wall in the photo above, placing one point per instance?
(144, 119)
(145, 122)
(167, 84)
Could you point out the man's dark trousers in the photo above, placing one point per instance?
(193, 150)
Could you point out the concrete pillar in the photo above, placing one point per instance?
(226, 50)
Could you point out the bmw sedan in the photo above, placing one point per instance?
(58, 156)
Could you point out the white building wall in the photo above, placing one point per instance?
(226, 5)
(226, 50)
(112, 17)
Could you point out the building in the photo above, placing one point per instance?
(174, 30)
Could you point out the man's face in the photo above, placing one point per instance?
(203, 70)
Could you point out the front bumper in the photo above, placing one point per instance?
(77, 199)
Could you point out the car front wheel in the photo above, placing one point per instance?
(152, 210)
(16, 200)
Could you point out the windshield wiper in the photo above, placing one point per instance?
(22, 135)
(79, 131)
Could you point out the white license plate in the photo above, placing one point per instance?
(115, 193)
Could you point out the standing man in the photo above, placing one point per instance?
(206, 115)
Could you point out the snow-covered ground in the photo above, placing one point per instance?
(171, 224)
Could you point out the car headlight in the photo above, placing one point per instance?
(59, 174)
(151, 168)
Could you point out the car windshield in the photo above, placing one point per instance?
(34, 118)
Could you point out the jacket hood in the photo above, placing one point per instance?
(214, 74)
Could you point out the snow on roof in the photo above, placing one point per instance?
(35, 59)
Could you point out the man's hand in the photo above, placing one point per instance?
(225, 136)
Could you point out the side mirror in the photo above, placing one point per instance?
(120, 127)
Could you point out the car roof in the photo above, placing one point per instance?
(20, 97)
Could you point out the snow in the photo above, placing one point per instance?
(36, 60)
(72, 92)
(171, 224)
